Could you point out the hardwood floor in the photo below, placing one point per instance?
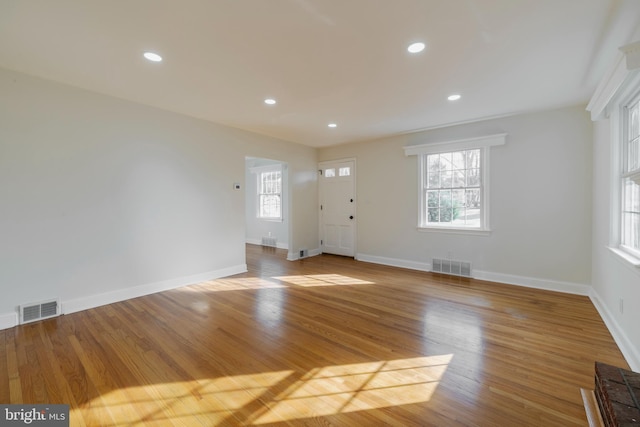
(321, 341)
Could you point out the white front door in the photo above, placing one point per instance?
(337, 207)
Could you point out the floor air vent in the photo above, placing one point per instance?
(449, 266)
(39, 311)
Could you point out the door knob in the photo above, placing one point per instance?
(351, 217)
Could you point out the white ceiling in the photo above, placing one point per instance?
(342, 61)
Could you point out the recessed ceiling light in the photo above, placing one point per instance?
(454, 97)
(270, 101)
(153, 56)
(332, 125)
(416, 47)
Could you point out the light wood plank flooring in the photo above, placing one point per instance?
(323, 341)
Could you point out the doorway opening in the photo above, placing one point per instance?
(267, 203)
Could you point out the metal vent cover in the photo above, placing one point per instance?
(450, 266)
(269, 241)
(39, 311)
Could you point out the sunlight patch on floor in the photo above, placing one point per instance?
(240, 283)
(358, 387)
(271, 397)
(207, 400)
(322, 280)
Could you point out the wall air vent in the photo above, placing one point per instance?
(269, 241)
(39, 311)
(449, 266)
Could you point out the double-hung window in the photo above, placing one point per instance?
(270, 194)
(630, 180)
(454, 184)
(617, 97)
(452, 189)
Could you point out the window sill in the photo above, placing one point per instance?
(627, 257)
(447, 230)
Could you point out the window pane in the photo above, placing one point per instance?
(633, 138)
(270, 182)
(458, 158)
(433, 215)
(473, 159)
(269, 194)
(270, 206)
(445, 198)
(433, 162)
(446, 179)
(633, 162)
(631, 215)
(473, 198)
(458, 198)
(345, 171)
(433, 179)
(458, 179)
(432, 199)
(452, 189)
(446, 161)
(329, 173)
(446, 215)
(634, 122)
(473, 178)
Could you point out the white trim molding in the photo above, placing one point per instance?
(394, 262)
(623, 70)
(98, 300)
(482, 143)
(534, 282)
(8, 320)
(258, 242)
(294, 256)
(456, 145)
(508, 279)
(630, 353)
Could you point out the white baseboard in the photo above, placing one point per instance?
(279, 245)
(294, 256)
(394, 262)
(533, 282)
(529, 282)
(630, 353)
(93, 301)
(8, 320)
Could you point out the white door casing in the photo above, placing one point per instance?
(337, 207)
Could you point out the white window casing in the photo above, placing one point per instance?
(431, 218)
(616, 98)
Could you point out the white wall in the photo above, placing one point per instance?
(540, 201)
(258, 228)
(104, 199)
(613, 279)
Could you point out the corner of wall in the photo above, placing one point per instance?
(630, 353)
(8, 320)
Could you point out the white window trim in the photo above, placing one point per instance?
(484, 143)
(258, 170)
(617, 90)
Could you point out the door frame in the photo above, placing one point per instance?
(355, 197)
